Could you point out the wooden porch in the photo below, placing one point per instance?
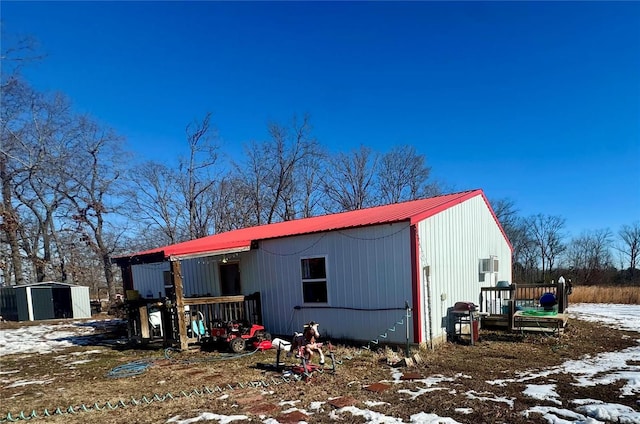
(174, 319)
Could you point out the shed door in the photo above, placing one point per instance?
(42, 303)
(62, 302)
(230, 279)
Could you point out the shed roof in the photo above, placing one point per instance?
(48, 284)
(241, 239)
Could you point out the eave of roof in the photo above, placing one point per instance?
(47, 283)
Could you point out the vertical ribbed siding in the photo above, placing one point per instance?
(80, 303)
(452, 244)
(367, 268)
(200, 276)
(148, 279)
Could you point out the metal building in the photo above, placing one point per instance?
(353, 272)
(45, 300)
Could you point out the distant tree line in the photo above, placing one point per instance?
(73, 196)
(542, 251)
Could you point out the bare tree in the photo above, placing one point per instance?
(15, 95)
(545, 231)
(293, 178)
(279, 175)
(91, 187)
(234, 204)
(47, 139)
(349, 180)
(589, 255)
(154, 199)
(198, 180)
(250, 176)
(15, 159)
(506, 213)
(309, 180)
(402, 175)
(630, 237)
(525, 264)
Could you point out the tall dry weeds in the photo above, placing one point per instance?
(605, 294)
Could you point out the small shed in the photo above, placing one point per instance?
(353, 272)
(45, 300)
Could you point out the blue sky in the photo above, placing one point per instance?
(538, 102)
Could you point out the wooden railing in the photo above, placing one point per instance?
(223, 308)
(500, 303)
(226, 308)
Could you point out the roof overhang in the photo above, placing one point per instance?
(210, 253)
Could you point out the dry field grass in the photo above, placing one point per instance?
(606, 294)
(499, 355)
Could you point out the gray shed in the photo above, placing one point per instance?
(46, 300)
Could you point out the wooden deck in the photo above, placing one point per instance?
(501, 307)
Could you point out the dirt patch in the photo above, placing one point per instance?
(210, 381)
(343, 401)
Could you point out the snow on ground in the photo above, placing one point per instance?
(624, 317)
(46, 338)
(605, 368)
(542, 392)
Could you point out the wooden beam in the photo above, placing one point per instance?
(144, 321)
(176, 278)
(210, 300)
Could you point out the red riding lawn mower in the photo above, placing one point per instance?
(238, 334)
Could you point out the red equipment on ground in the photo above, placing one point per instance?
(237, 334)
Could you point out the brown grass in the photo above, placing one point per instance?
(499, 355)
(605, 294)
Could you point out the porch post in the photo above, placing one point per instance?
(127, 284)
(561, 296)
(176, 279)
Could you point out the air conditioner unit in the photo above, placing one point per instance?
(488, 265)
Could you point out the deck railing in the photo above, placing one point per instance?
(500, 303)
(226, 308)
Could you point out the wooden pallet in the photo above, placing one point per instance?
(545, 323)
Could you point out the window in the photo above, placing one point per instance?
(314, 280)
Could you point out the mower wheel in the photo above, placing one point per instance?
(237, 345)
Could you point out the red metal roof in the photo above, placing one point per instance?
(241, 239)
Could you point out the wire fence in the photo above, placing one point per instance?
(140, 366)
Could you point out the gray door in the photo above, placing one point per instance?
(42, 302)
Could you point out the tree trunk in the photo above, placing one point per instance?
(10, 224)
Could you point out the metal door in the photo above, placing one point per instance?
(42, 303)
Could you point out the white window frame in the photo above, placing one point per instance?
(315, 280)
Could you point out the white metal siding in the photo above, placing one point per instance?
(367, 268)
(80, 303)
(452, 243)
(200, 276)
(148, 279)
